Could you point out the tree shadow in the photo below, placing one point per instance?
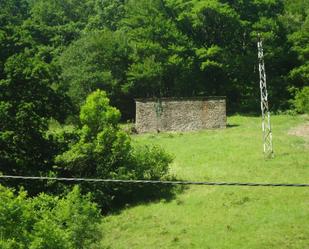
(145, 194)
(119, 196)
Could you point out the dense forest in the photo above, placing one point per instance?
(129, 48)
(70, 70)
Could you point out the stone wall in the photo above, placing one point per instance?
(189, 114)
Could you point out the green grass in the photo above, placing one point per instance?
(224, 217)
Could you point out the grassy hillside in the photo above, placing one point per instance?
(224, 217)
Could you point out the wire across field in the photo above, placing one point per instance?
(247, 184)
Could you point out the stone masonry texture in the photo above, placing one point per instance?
(186, 114)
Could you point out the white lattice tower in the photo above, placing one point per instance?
(266, 126)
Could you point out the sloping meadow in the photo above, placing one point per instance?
(224, 217)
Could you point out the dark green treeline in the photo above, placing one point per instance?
(59, 51)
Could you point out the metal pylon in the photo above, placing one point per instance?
(266, 126)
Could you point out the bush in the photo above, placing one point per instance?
(47, 222)
(152, 162)
(103, 150)
(301, 101)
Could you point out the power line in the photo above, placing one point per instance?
(248, 184)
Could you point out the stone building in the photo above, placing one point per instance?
(184, 114)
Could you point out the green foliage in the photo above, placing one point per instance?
(97, 113)
(108, 13)
(296, 20)
(206, 18)
(101, 145)
(47, 222)
(27, 102)
(161, 61)
(301, 101)
(161, 47)
(57, 23)
(28, 97)
(152, 162)
(97, 60)
(103, 150)
(300, 40)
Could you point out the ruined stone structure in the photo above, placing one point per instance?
(185, 114)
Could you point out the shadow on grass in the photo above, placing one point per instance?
(114, 197)
(145, 194)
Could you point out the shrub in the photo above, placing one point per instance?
(103, 150)
(301, 101)
(47, 222)
(152, 162)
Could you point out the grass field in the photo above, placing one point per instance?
(224, 217)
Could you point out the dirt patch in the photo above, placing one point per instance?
(300, 131)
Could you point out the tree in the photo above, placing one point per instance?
(12, 15)
(70, 222)
(98, 60)
(301, 101)
(296, 19)
(56, 23)
(215, 29)
(107, 15)
(26, 104)
(103, 150)
(161, 54)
